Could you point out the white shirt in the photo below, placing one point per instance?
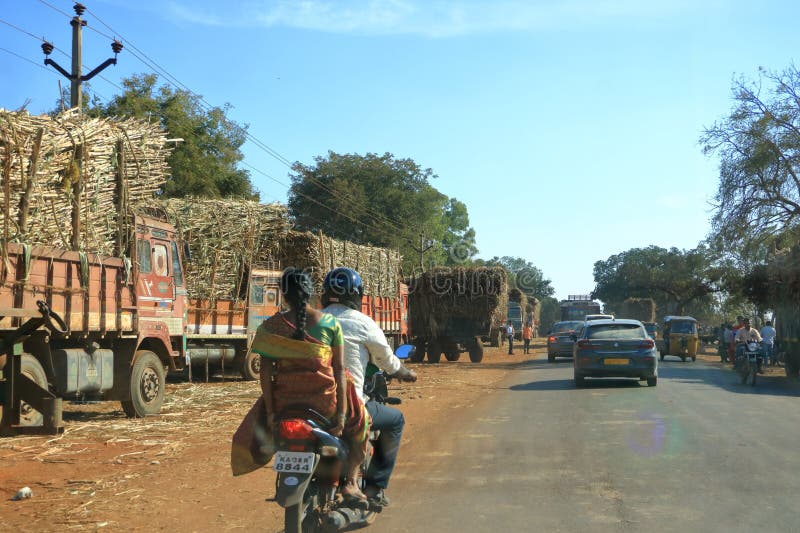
(363, 340)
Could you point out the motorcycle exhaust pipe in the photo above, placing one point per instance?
(343, 518)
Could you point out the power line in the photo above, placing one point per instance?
(380, 217)
(54, 8)
(26, 59)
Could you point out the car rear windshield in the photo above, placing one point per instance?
(561, 327)
(616, 332)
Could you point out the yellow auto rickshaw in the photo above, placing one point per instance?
(679, 337)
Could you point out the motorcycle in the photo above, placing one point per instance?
(749, 362)
(309, 462)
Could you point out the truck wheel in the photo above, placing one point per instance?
(434, 351)
(452, 354)
(251, 366)
(146, 386)
(419, 352)
(32, 369)
(475, 351)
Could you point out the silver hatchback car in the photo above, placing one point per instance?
(618, 348)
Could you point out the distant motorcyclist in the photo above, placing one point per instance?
(364, 342)
(744, 335)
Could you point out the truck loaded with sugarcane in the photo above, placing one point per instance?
(144, 285)
(451, 309)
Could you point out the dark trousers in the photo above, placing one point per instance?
(526, 344)
(389, 421)
(510, 344)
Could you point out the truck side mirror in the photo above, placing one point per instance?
(187, 252)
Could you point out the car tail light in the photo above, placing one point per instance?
(551, 339)
(647, 344)
(584, 344)
(295, 429)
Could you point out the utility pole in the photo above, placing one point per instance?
(75, 77)
(421, 250)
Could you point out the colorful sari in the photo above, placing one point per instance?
(304, 376)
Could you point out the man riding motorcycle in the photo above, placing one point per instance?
(364, 342)
(744, 335)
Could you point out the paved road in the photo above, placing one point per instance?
(699, 452)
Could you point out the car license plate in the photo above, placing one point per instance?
(616, 361)
(294, 462)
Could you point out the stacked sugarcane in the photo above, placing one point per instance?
(71, 181)
(457, 301)
(379, 267)
(642, 309)
(226, 239)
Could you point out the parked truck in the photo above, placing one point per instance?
(144, 286)
(450, 309)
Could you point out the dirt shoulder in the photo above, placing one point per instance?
(171, 472)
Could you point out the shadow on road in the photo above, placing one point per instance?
(566, 384)
(725, 378)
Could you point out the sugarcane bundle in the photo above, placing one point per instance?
(71, 180)
(642, 309)
(457, 301)
(379, 267)
(226, 238)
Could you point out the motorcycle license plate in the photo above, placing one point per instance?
(294, 462)
(616, 362)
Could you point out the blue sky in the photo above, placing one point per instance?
(569, 127)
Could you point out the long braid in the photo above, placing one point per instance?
(297, 288)
(302, 319)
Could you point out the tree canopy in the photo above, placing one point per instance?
(673, 278)
(759, 149)
(523, 275)
(384, 201)
(204, 162)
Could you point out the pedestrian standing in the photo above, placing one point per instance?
(727, 341)
(768, 336)
(510, 337)
(527, 335)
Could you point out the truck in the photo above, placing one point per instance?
(144, 286)
(577, 306)
(451, 309)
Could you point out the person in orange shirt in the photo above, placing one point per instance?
(527, 335)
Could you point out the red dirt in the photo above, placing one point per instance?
(171, 472)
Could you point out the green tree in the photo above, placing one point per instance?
(384, 201)
(758, 145)
(523, 275)
(204, 162)
(678, 280)
(550, 314)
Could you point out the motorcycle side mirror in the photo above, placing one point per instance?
(404, 351)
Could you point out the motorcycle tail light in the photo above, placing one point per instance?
(647, 344)
(295, 429)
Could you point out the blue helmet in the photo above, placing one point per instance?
(343, 286)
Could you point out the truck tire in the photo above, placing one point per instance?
(419, 352)
(452, 355)
(434, 351)
(32, 369)
(475, 351)
(146, 386)
(251, 366)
